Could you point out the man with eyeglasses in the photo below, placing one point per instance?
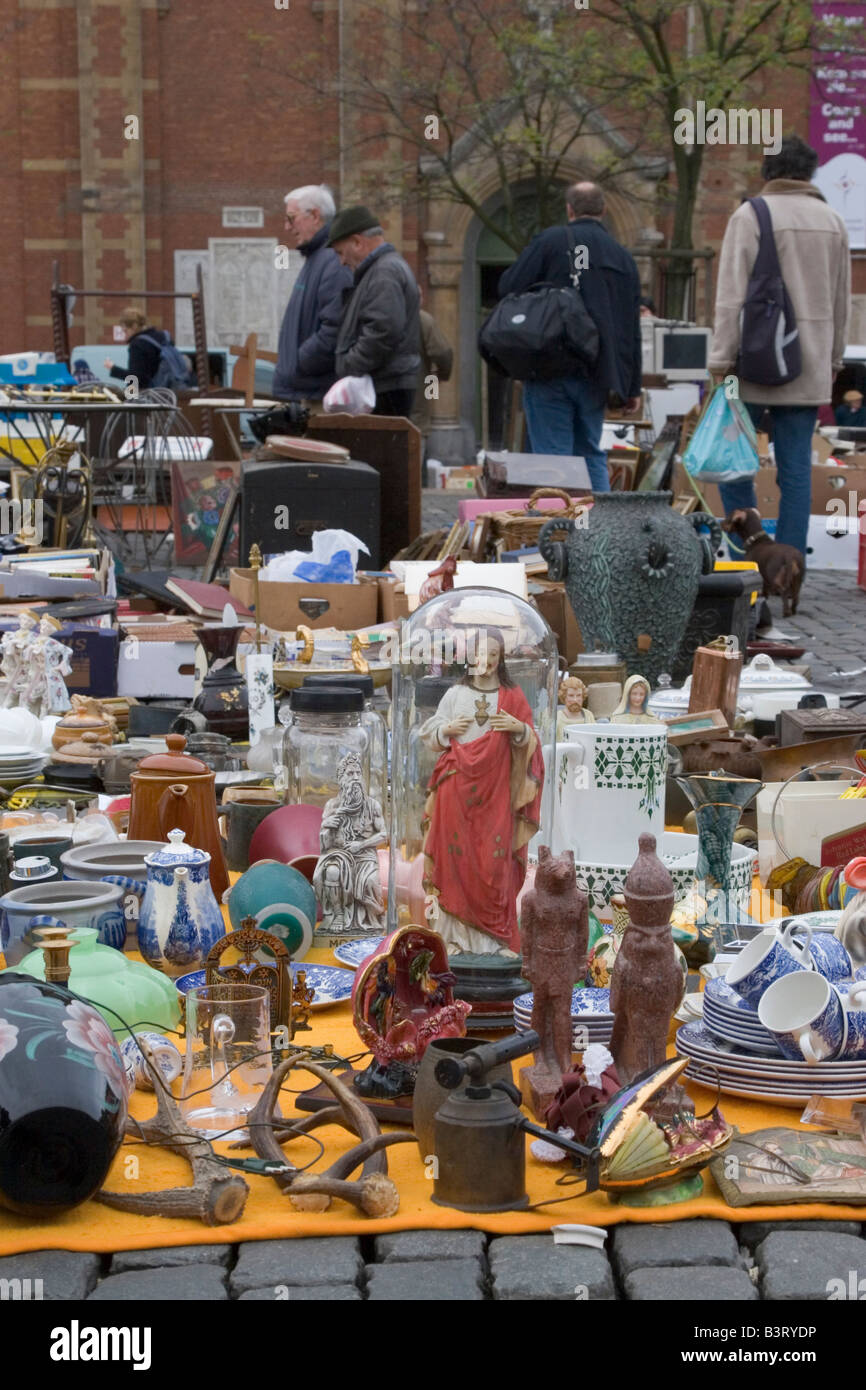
(305, 367)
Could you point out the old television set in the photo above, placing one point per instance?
(681, 351)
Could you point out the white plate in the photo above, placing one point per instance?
(768, 1097)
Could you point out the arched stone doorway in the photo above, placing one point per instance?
(464, 260)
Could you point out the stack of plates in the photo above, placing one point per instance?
(591, 1018)
(776, 1080)
(19, 765)
(734, 1020)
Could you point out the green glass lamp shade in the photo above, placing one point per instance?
(114, 984)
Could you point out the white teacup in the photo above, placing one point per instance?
(771, 954)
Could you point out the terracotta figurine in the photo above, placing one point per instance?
(571, 696)
(632, 708)
(482, 805)
(647, 982)
(554, 933)
(347, 874)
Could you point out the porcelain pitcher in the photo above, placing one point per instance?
(180, 917)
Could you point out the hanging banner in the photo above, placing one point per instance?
(837, 112)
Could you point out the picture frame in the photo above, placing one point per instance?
(218, 543)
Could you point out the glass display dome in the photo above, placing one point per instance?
(473, 718)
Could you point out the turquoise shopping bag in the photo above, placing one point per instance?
(724, 446)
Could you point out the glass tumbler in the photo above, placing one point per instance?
(228, 1056)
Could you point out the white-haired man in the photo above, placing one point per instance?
(308, 336)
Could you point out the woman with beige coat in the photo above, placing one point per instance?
(812, 246)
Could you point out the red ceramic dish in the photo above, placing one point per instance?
(288, 833)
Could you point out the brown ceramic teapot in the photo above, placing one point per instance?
(175, 791)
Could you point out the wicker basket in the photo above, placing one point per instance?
(522, 528)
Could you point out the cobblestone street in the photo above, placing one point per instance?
(703, 1261)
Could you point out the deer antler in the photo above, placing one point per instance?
(216, 1197)
(374, 1192)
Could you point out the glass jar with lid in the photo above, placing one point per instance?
(326, 725)
(371, 720)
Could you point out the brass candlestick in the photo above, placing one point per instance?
(55, 943)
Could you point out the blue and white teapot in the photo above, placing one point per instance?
(180, 918)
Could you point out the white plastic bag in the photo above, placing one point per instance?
(351, 395)
(334, 560)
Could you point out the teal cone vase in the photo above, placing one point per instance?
(719, 801)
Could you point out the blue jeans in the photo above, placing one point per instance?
(566, 417)
(793, 427)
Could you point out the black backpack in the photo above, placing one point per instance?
(540, 334)
(174, 370)
(770, 352)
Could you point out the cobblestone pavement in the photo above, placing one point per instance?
(705, 1261)
(685, 1260)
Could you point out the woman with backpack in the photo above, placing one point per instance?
(153, 358)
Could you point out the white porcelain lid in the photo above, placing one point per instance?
(177, 851)
(762, 674)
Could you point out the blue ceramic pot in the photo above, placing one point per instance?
(94, 905)
(63, 1097)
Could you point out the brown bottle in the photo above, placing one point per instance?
(175, 791)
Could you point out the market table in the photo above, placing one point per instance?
(269, 1215)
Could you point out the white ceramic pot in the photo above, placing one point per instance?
(609, 789)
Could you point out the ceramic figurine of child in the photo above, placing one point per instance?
(483, 804)
(632, 708)
(49, 662)
(14, 661)
(571, 696)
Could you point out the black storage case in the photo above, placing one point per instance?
(319, 497)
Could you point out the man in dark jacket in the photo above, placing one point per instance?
(566, 415)
(308, 335)
(380, 334)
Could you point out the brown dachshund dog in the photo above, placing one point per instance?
(782, 566)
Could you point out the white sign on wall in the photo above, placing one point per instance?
(244, 218)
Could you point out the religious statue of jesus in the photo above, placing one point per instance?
(483, 804)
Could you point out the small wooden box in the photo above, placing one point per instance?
(716, 680)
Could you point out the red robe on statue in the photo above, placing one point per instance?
(483, 808)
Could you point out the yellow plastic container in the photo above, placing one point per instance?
(738, 565)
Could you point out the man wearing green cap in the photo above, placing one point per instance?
(380, 333)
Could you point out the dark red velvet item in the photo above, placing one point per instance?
(577, 1104)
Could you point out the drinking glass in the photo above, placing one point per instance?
(228, 1056)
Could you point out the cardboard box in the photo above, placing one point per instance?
(156, 668)
(551, 602)
(392, 605)
(285, 607)
(833, 486)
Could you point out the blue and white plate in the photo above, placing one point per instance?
(586, 999)
(354, 953)
(580, 1034)
(695, 1040)
(332, 986)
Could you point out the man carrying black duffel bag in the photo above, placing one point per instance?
(565, 414)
